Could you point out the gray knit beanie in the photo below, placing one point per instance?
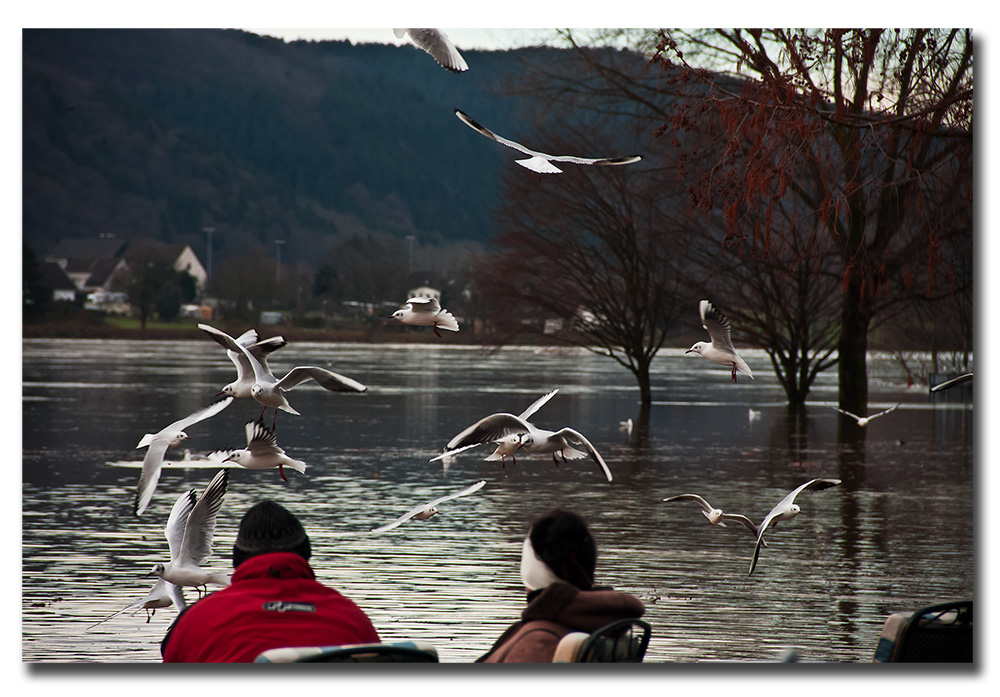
(269, 527)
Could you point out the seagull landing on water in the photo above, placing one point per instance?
(716, 516)
(786, 510)
(721, 349)
(262, 452)
(427, 510)
(190, 530)
(269, 391)
(426, 312)
(438, 45)
(514, 433)
(863, 420)
(158, 443)
(539, 161)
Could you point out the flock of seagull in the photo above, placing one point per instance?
(190, 526)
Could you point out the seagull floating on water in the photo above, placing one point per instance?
(269, 391)
(170, 437)
(626, 426)
(190, 530)
(163, 594)
(863, 420)
(245, 379)
(425, 511)
(262, 451)
(716, 516)
(514, 433)
(786, 510)
(438, 45)
(539, 161)
(426, 312)
(721, 349)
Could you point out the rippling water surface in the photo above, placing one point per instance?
(858, 552)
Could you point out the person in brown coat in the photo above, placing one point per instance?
(558, 558)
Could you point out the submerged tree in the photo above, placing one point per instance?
(863, 127)
(588, 258)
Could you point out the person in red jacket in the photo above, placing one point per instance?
(273, 601)
(558, 558)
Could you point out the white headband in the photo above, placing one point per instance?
(535, 573)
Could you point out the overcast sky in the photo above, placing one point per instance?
(462, 38)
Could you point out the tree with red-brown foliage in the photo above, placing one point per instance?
(869, 129)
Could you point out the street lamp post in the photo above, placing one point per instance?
(277, 268)
(209, 230)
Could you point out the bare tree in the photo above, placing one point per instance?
(588, 258)
(862, 126)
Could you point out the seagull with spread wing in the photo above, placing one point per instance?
(716, 516)
(514, 433)
(158, 443)
(426, 312)
(190, 530)
(426, 510)
(864, 420)
(436, 43)
(721, 349)
(240, 388)
(539, 161)
(262, 451)
(269, 391)
(786, 510)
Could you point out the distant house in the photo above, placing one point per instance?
(55, 279)
(101, 268)
(424, 292)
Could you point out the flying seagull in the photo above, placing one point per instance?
(269, 391)
(262, 451)
(240, 388)
(190, 530)
(721, 349)
(438, 45)
(162, 594)
(954, 382)
(863, 420)
(539, 161)
(786, 510)
(426, 312)
(158, 443)
(716, 516)
(514, 433)
(425, 511)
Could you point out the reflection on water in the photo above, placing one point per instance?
(859, 551)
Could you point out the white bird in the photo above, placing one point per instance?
(190, 530)
(262, 451)
(163, 594)
(158, 443)
(715, 515)
(513, 433)
(626, 426)
(425, 511)
(438, 45)
(721, 349)
(240, 388)
(539, 161)
(954, 382)
(864, 420)
(426, 312)
(753, 415)
(269, 391)
(786, 510)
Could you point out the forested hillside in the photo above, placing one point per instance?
(161, 133)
